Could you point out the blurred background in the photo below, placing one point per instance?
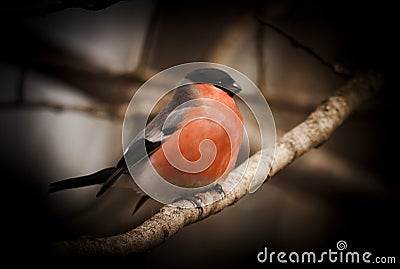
(68, 70)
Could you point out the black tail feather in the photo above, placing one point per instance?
(110, 180)
(139, 204)
(76, 182)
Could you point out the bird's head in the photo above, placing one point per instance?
(218, 78)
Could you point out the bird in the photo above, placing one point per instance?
(183, 127)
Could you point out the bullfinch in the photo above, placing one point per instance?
(182, 132)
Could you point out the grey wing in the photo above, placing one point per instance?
(150, 139)
(137, 150)
(164, 124)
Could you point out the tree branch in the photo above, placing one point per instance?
(95, 111)
(311, 133)
(335, 68)
(50, 6)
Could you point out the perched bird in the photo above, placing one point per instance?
(182, 127)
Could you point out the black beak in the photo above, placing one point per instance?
(235, 88)
(231, 89)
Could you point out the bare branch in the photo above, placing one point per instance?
(51, 6)
(320, 124)
(148, 41)
(261, 63)
(311, 133)
(59, 107)
(336, 68)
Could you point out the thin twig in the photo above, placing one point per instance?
(48, 7)
(21, 86)
(149, 37)
(58, 107)
(311, 133)
(261, 65)
(336, 68)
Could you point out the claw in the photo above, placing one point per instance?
(195, 201)
(220, 190)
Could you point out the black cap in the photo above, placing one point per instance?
(216, 77)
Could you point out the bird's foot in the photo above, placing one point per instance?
(220, 190)
(195, 200)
